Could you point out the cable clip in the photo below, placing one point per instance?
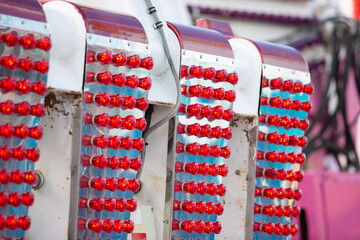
(158, 25)
(151, 10)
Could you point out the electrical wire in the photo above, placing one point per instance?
(159, 26)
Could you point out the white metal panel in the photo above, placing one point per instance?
(68, 46)
(50, 212)
(248, 65)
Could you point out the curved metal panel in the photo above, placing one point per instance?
(113, 25)
(282, 56)
(28, 9)
(202, 40)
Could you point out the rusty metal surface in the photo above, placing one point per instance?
(50, 212)
(239, 201)
(113, 25)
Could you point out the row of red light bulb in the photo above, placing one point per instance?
(288, 85)
(200, 207)
(120, 59)
(204, 131)
(110, 184)
(278, 228)
(105, 225)
(112, 162)
(286, 103)
(23, 108)
(105, 120)
(201, 188)
(283, 139)
(208, 92)
(279, 193)
(114, 142)
(26, 64)
(204, 150)
(19, 153)
(209, 74)
(14, 222)
(108, 204)
(199, 226)
(120, 80)
(23, 86)
(27, 41)
(279, 211)
(280, 174)
(116, 100)
(16, 199)
(17, 177)
(22, 131)
(205, 169)
(282, 157)
(205, 111)
(284, 121)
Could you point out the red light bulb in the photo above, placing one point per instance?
(294, 229)
(95, 225)
(15, 199)
(98, 183)
(10, 61)
(108, 225)
(10, 38)
(273, 120)
(129, 102)
(187, 225)
(17, 177)
(42, 66)
(287, 103)
(12, 222)
(134, 61)
(111, 184)
(276, 83)
(110, 204)
(278, 230)
(308, 88)
(287, 86)
(119, 79)
(298, 87)
(199, 226)
(104, 57)
(196, 71)
(136, 164)
(124, 163)
(209, 73)
(134, 185)
(131, 205)
(26, 64)
(121, 205)
(96, 204)
(44, 43)
(102, 99)
(27, 199)
(280, 193)
(306, 106)
(104, 77)
(39, 87)
(119, 59)
(145, 83)
(228, 115)
(297, 194)
(147, 63)
(4, 199)
(119, 226)
(204, 168)
(275, 102)
(142, 104)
